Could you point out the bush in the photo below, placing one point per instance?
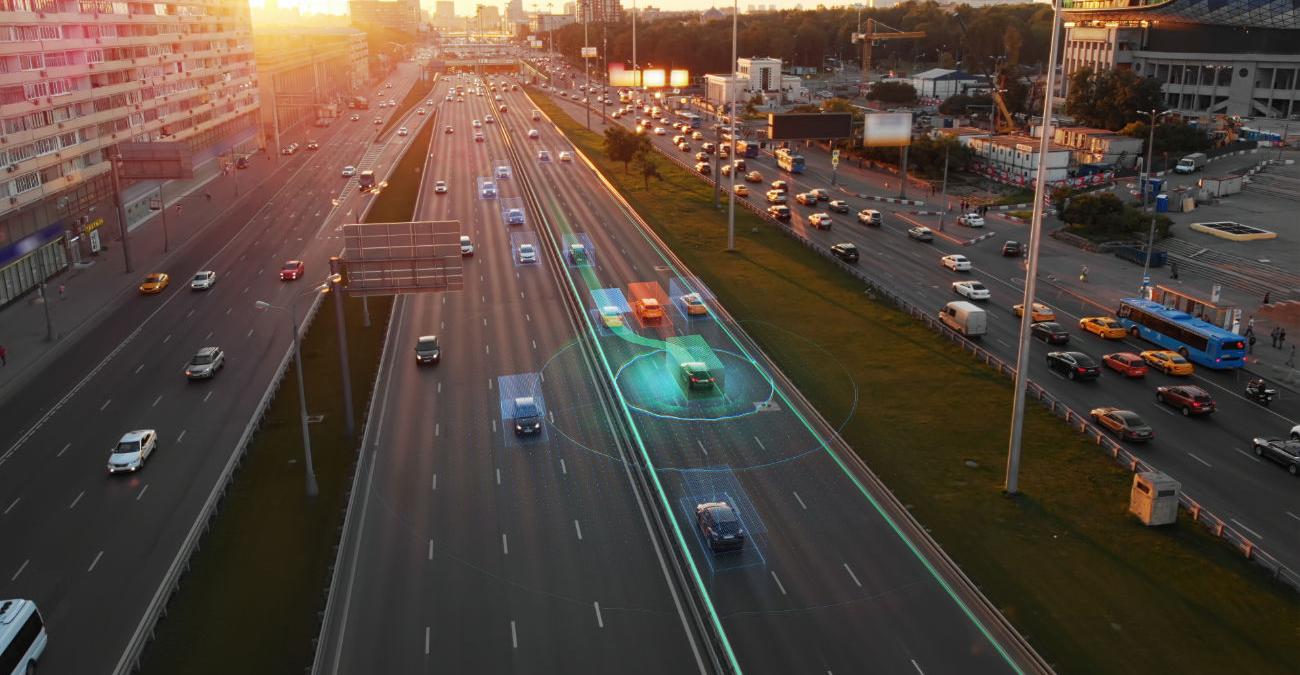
(1104, 217)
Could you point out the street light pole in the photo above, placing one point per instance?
(1145, 181)
(586, 62)
(121, 210)
(1012, 485)
(731, 108)
(943, 198)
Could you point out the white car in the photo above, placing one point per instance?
(130, 453)
(532, 133)
(503, 172)
(202, 281)
(466, 246)
(971, 220)
(440, 187)
(660, 131)
(821, 221)
(956, 262)
(419, 111)
(488, 190)
(401, 131)
(972, 290)
(527, 253)
(349, 171)
(566, 156)
(477, 124)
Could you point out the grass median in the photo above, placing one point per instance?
(1091, 588)
(251, 600)
(419, 93)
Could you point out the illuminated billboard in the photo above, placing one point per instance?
(801, 126)
(887, 130)
(651, 78)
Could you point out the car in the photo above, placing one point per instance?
(477, 124)
(503, 171)
(1012, 249)
(780, 186)
(611, 316)
(578, 254)
(1283, 451)
(1168, 362)
(348, 171)
(205, 363)
(527, 415)
(289, 149)
(660, 131)
(806, 198)
(1188, 398)
(648, 310)
(533, 133)
(775, 197)
(971, 290)
(489, 119)
(448, 129)
(725, 170)
(1104, 327)
(754, 177)
(1040, 312)
(821, 221)
(820, 194)
(419, 111)
(466, 245)
(1123, 423)
(242, 162)
(429, 102)
(779, 211)
(427, 350)
(543, 156)
(678, 139)
(440, 187)
(154, 283)
(132, 450)
(478, 137)
(703, 168)
(920, 233)
(355, 118)
(684, 146)
(709, 148)
(487, 190)
(527, 253)
(956, 262)
(701, 157)
(203, 280)
(870, 217)
(971, 220)
(719, 526)
(741, 190)
(1075, 365)
(697, 136)
(313, 145)
(514, 216)
(566, 156)
(292, 269)
(838, 206)
(402, 131)
(694, 305)
(845, 251)
(378, 120)
(1126, 363)
(696, 375)
(740, 164)
(1049, 332)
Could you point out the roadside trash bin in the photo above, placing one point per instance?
(1154, 498)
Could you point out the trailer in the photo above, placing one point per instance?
(1221, 186)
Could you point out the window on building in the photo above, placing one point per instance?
(26, 182)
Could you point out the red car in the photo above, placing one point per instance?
(292, 269)
(1128, 363)
(1190, 399)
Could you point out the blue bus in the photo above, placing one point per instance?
(691, 119)
(789, 161)
(746, 149)
(1197, 340)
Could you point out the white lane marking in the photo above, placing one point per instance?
(142, 491)
(20, 570)
(1288, 512)
(534, 344)
(498, 476)
(551, 413)
(433, 486)
(577, 528)
(563, 469)
(437, 429)
(484, 321)
(778, 582)
(600, 622)
(245, 289)
(1198, 459)
(800, 500)
(65, 449)
(250, 333)
(426, 640)
(157, 401)
(514, 636)
(228, 309)
(208, 336)
(701, 444)
(430, 549)
(182, 436)
(1242, 526)
(505, 544)
(439, 387)
(19, 499)
(167, 339)
(917, 666)
(73, 505)
(494, 425)
(760, 443)
(189, 314)
(1247, 455)
(206, 397)
(95, 562)
(489, 384)
(528, 317)
(139, 368)
(487, 349)
(106, 402)
(851, 574)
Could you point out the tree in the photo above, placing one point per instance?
(893, 92)
(647, 166)
(1175, 138)
(1102, 216)
(1012, 41)
(621, 145)
(1110, 99)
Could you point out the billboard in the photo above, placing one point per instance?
(155, 161)
(886, 130)
(650, 78)
(800, 126)
(588, 52)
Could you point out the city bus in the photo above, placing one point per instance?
(691, 119)
(1199, 341)
(789, 161)
(22, 636)
(746, 149)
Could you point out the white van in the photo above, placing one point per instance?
(22, 636)
(965, 318)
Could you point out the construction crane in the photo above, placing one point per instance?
(872, 37)
(1001, 118)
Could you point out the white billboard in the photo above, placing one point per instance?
(588, 52)
(887, 130)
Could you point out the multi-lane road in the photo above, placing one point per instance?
(1210, 456)
(472, 548)
(90, 548)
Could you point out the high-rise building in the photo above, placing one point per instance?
(487, 19)
(86, 75)
(515, 12)
(600, 10)
(401, 16)
(303, 69)
(444, 15)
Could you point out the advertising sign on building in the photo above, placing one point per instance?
(588, 52)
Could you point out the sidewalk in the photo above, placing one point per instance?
(77, 296)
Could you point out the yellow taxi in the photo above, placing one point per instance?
(649, 310)
(742, 190)
(694, 305)
(1170, 363)
(154, 283)
(1103, 326)
(1040, 312)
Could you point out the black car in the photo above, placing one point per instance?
(1075, 365)
(1283, 451)
(1012, 249)
(527, 415)
(1049, 332)
(241, 163)
(720, 526)
(427, 349)
(696, 375)
(845, 251)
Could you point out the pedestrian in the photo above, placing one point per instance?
(63, 289)
(1273, 336)
(1083, 273)
(1266, 297)
(1173, 270)
(4, 356)
(1250, 324)
(1249, 331)
(207, 196)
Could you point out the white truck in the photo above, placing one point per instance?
(1193, 162)
(965, 318)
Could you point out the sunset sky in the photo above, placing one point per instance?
(466, 7)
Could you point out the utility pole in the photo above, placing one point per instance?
(121, 209)
(943, 198)
(731, 110)
(586, 62)
(1145, 186)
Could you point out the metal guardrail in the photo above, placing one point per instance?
(1215, 524)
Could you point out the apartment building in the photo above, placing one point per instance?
(302, 68)
(79, 76)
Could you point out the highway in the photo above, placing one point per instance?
(478, 550)
(1210, 456)
(442, 578)
(91, 548)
